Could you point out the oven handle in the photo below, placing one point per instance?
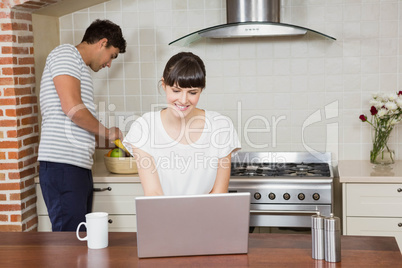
(284, 212)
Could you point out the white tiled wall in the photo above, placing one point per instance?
(301, 93)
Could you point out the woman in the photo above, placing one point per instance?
(182, 149)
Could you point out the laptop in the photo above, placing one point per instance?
(192, 225)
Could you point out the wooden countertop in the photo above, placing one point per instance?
(63, 249)
(362, 171)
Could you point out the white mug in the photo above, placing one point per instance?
(97, 230)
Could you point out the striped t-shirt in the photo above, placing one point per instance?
(62, 141)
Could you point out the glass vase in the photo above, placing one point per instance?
(384, 157)
(381, 155)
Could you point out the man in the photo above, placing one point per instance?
(69, 125)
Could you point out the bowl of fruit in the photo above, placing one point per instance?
(120, 161)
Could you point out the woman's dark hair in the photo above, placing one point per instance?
(185, 70)
(105, 29)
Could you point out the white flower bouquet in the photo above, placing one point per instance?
(386, 112)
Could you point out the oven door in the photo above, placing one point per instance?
(278, 215)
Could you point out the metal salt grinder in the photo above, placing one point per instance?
(317, 236)
(332, 227)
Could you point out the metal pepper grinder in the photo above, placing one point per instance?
(317, 236)
(332, 228)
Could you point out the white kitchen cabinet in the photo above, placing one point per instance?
(372, 200)
(117, 199)
(377, 200)
(375, 227)
(373, 210)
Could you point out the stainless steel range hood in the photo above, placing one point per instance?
(249, 18)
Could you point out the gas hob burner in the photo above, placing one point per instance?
(281, 169)
(301, 168)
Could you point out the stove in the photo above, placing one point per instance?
(280, 169)
(286, 187)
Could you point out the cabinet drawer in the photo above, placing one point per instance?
(119, 199)
(122, 189)
(119, 223)
(114, 204)
(122, 223)
(382, 200)
(375, 227)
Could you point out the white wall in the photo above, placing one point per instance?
(281, 82)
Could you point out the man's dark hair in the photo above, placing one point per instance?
(105, 29)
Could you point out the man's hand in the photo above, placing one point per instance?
(69, 90)
(113, 134)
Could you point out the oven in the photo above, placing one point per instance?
(286, 188)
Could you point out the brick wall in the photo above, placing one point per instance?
(19, 130)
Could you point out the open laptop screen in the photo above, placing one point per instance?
(192, 224)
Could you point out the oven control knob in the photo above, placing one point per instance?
(316, 196)
(286, 196)
(301, 196)
(257, 196)
(271, 196)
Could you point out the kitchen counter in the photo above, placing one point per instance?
(63, 249)
(101, 174)
(362, 171)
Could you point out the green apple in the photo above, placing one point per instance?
(117, 153)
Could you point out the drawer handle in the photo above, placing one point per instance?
(102, 189)
(110, 221)
(399, 190)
